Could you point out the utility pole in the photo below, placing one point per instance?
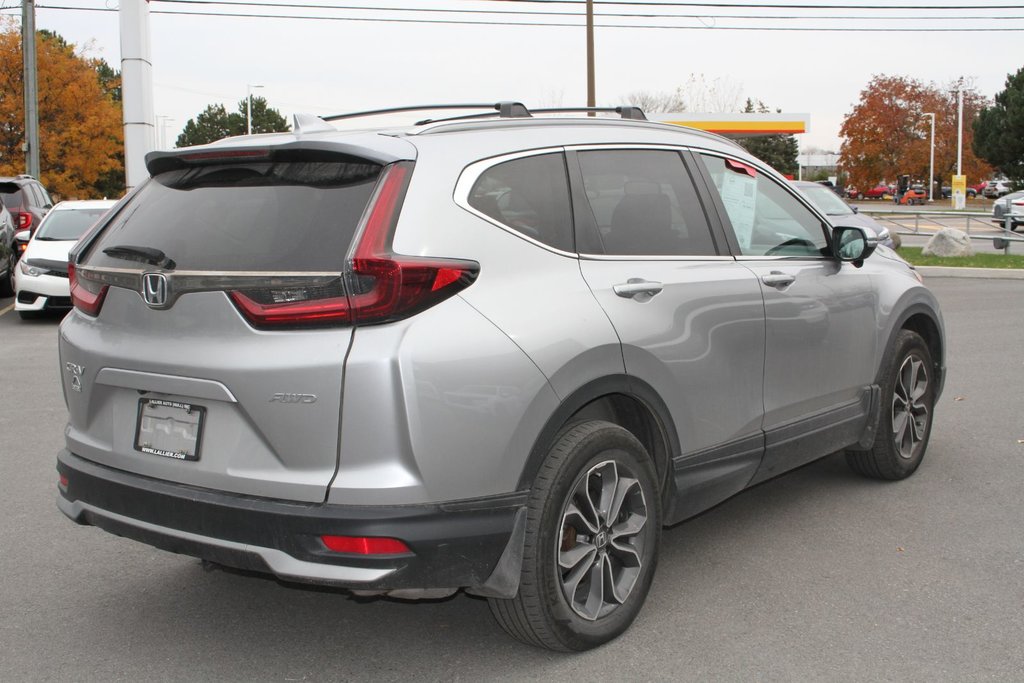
(931, 162)
(28, 53)
(959, 125)
(136, 89)
(591, 90)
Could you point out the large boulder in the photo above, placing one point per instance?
(949, 242)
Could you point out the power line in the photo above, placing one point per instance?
(759, 5)
(564, 13)
(466, 22)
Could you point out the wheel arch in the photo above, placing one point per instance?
(923, 320)
(623, 400)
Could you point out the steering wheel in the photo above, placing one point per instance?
(792, 242)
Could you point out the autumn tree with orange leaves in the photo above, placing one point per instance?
(887, 134)
(80, 134)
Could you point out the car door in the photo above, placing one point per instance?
(689, 317)
(820, 315)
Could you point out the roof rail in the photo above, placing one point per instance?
(504, 109)
(635, 113)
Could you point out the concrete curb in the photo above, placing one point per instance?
(981, 273)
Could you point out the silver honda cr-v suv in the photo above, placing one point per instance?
(496, 354)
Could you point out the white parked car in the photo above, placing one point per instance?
(41, 278)
(996, 188)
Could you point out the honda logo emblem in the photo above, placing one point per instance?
(154, 289)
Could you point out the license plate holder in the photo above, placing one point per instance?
(171, 429)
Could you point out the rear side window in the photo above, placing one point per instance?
(530, 195)
(644, 204)
(266, 216)
(11, 196)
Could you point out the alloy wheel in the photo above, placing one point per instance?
(909, 409)
(601, 544)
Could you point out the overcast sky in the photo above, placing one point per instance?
(328, 66)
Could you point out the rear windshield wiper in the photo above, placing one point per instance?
(153, 257)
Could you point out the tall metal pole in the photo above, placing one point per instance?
(591, 89)
(136, 90)
(931, 163)
(28, 52)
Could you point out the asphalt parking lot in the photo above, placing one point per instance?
(817, 575)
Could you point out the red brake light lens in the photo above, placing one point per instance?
(86, 295)
(24, 220)
(379, 285)
(365, 545)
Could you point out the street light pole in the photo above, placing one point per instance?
(248, 107)
(931, 162)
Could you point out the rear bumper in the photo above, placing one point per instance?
(459, 544)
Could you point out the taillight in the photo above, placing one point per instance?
(86, 295)
(379, 285)
(24, 220)
(365, 545)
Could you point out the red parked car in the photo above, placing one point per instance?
(879, 191)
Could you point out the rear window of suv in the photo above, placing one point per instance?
(10, 195)
(294, 216)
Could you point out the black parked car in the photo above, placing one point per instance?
(8, 252)
(947, 192)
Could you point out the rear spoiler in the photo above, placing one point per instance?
(218, 153)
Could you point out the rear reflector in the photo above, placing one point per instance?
(365, 545)
(62, 481)
(86, 295)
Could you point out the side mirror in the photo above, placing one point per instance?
(850, 243)
(856, 209)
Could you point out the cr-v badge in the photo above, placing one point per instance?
(76, 375)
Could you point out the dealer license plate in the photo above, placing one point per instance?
(171, 429)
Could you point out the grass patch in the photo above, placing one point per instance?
(1011, 260)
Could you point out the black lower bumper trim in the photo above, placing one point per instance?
(454, 545)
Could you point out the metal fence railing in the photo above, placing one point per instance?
(911, 222)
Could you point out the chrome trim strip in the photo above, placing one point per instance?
(620, 257)
(187, 281)
(169, 384)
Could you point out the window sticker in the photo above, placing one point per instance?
(739, 194)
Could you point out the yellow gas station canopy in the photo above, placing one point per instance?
(739, 125)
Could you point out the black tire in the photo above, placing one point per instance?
(549, 610)
(7, 281)
(900, 443)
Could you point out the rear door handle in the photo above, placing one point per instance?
(638, 288)
(778, 279)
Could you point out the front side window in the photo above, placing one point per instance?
(529, 195)
(766, 219)
(644, 204)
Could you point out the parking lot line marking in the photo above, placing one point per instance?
(7, 309)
